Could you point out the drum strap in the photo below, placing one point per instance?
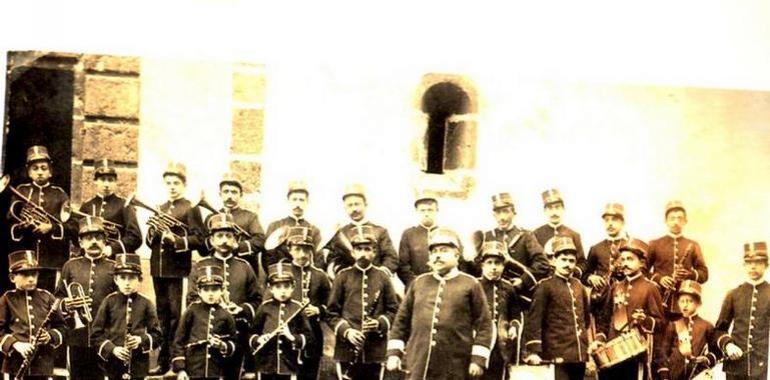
(684, 337)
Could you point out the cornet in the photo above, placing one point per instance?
(111, 229)
(78, 300)
(160, 221)
(238, 229)
(30, 214)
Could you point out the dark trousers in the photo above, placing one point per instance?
(308, 370)
(570, 371)
(627, 370)
(84, 364)
(168, 296)
(264, 376)
(232, 366)
(496, 368)
(359, 371)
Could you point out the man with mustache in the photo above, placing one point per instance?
(112, 208)
(93, 271)
(46, 238)
(675, 258)
(339, 247)
(602, 266)
(525, 262)
(553, 207)
(634, 303)
(251, 246)
(297, 197)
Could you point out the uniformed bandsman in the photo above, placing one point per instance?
(688, 345)
(281, 330)
(123, 235)
(504, 309)
(22, 312)
(443, 325)
(413, 249)
(250, 236)
(558, 320)
(44, 235)
(171, 257)
(126, 327)
(339, 248)
(361, 309)
(525, 262)
(93, 273)
(747, 310)
(633, 303)
(242, 292)
(310, 285)
(297, 197)
(206, 334)
(674, 258)
(553, 207)
(602, 265)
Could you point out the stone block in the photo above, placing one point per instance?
(111, 63)
(247, 131)
(112, 97)
(249, 172)
(249, 87)
(117, 142)
(126, 182)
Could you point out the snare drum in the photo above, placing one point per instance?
(531, 372)
(619, 349)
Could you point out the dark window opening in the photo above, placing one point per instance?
(441, 101)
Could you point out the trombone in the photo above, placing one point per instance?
(238, 229)
(161, 221)
(77, 299)
(30, 214)
(111, 229)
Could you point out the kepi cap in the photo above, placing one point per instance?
(22, 261)
(37, 153)
(89, 224)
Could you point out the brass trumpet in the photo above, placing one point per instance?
(111, 229)
(30, 214)
(238, 229)
(77, 298)
(160, 221)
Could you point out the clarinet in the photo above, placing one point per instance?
(36, 341)
(359, 351)
(127, 373)
(280, 327)
(669, 299)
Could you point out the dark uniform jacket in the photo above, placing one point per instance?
(174, 261)
(52, 248)
(666, 251)
(339, 252)
(682, 341)
(357, 294)
(191, 351)
(413, 253)
(747, 309)
(96, 278)
(21, 314)
(557, 321)
(282, 251)
(601, 261)
(109, 331)
(443, 324)
(546, 232)
(240, 286)
(312, 285)
(628, 295)
(280, 355)
(528, 260)
(505, 311)
(248, 247)
(112, 208)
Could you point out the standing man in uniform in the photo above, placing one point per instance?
(675, 258)
(171, 257)
(413, 249)
(747, 310)
(125, 235)
(297, 197)
(93, 273)
(44, 236)
(553, 207)
(339, 247)
(250, 236)
(525, 263)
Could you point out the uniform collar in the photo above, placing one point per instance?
(361, 223)
(222, 258)
(622, 235)
(454, 272)
(634, 277)
(105, 198)
(230, 210)
(41, 187)
(679, 236)
(755, 283)
(306, 266)
(554, 226)
(296, 219)
(560, 276)
(431, 228)
(93, 259)
(363, 269)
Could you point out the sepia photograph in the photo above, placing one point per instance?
(236, 190)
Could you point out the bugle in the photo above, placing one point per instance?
(160, 221)
(30, 214)
(238, 229)
(78, 300)
(111, 229)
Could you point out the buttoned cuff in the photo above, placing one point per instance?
(600, 337)
(534, 346)
(650, 325)
(253, 341)
(56, 338)
(341, 328)
(384, 324)
(7, 343)
(105, 350)
(480, 355)
(695, 275)
(577, 273)
(178, 363)
(60, 235)
(396, 347)
(664, 373)
(181, 244)
(723, 341)
(146, 343)
(247, 308)
(230, 350)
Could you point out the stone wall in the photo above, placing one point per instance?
(248, 84)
